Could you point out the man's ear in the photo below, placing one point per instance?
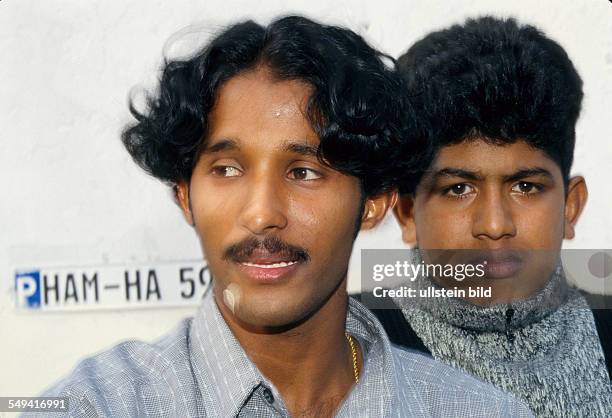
(575, 201)
(181, 193)
(376, 208)
(404, 213)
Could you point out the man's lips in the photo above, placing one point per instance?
(269, 265)
(502, 269)
(500, 264)
(261, 257)
(266, 261)
(268, 272)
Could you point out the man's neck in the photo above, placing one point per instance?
(310, 364)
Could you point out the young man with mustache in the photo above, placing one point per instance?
(276, 141)
(500, 102)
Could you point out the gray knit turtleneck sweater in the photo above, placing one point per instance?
(545, 349)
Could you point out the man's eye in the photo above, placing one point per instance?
(525, 187)
(458, 190)
(302, 173)
(226, 171)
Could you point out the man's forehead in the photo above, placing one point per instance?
(253, 111)
(486, 158)
(258, 89)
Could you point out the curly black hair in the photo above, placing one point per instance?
(496, 80)
(355, 107)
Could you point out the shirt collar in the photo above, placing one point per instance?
(377, 387)
(226, 376)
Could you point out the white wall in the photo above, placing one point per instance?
(70, 193)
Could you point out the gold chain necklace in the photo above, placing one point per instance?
(354, 355)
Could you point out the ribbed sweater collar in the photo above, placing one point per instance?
(499, 317)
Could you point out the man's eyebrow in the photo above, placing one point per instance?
(474, 175)
(302, 149)
(457, 172)
(528, 172)
(222, 145)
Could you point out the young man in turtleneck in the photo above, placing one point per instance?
(500, 101)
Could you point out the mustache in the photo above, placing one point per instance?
(243, 250)
(494, 256)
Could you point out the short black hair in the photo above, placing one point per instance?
(355, 107)
(495, 80)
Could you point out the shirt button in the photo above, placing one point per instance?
(267, 394)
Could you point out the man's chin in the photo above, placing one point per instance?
(274, 308)
(272, 318)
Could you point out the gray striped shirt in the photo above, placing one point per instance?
(200, 370)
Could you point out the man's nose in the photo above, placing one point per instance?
(493, 217)
(264, 207)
